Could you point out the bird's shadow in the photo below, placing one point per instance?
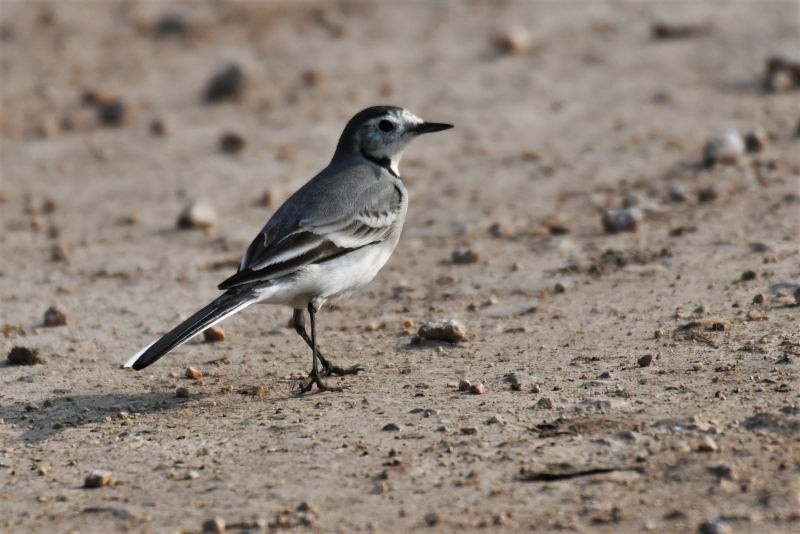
(49, 417)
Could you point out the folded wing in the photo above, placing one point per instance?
(326, 233)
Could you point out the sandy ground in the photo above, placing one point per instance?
(591, 114)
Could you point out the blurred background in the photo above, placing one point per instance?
(617, 169)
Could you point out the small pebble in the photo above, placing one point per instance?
(645, 361)
(502, 230)
(781, 75)
(98, 478)
(227, 84)
(25, 356)
(192, 475)
(172, 24)
(55, 316)
(707, 445)
(197, 215)
(560, 287)
(469, 430)
(698, 367)
(714, 527)
(114, 113)
(749, 275)
(391, 427)
(670, 30)
(677, 193)
(516, 40)
(42, 470)
(465, 257)
(313, 78)
(213, 334)
(431, 519)
(477, 389)
(193, 373)
(97, 97)
(162, 126)
(268, 198)
(49, 206)
(60, 252)
(214, 526)
(232, 142)
(31, 407)
(555, 224)
(182, 393)
(518, 378)
(707, 194)
(307, 508)
(464, 385)
(755, 141)
(797, 296)
(658, 334)
(724, 148)
(545, 403)
(257, 391)
(536, 388)
(449, 330)
(622, 220)
(761, 298)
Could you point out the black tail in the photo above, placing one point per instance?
(226, 305)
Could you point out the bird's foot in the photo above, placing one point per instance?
(329, 369)
(341, 371)
(313, 378)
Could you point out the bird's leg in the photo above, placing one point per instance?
(299, 323)
(314, 376)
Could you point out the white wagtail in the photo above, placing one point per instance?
(329, 239)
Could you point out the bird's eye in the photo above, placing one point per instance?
(386, 126)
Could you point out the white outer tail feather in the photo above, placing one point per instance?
(129, 363)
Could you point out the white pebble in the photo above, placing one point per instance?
(198, 215)
(725, 148)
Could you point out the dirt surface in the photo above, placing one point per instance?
(579, 110)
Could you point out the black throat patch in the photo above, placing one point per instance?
(385, 163)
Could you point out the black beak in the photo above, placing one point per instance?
(431, 127)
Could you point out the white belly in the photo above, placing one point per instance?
(331, 280)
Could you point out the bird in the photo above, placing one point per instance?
(328, 240)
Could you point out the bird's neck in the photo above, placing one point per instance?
(390, 164)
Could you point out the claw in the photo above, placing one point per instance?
(307, 385)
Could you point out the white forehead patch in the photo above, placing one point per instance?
(407, 116)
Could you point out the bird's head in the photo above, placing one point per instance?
(381, 134)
